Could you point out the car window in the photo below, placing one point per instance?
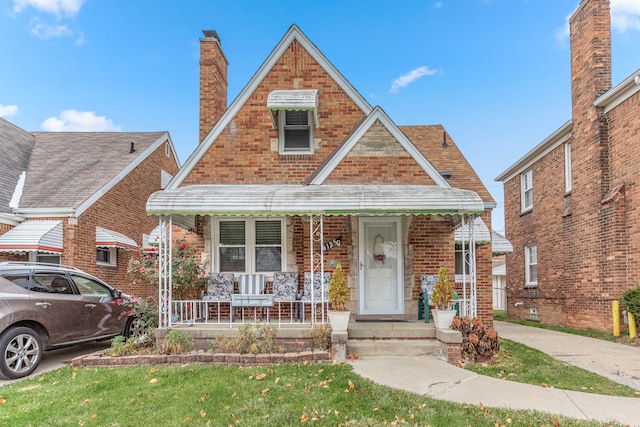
(19, 278)
(90, 287)
(56, 283)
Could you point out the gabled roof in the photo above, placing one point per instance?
(377, 114)
(69, 171)
(15, 145)
(445, 156)
(292, 34)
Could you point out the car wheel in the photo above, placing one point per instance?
(21, 350)
(134, 329)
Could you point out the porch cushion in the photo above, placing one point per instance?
(285, 286)
(219, 287)
(318, 286)
(251, 284)
(428, 283)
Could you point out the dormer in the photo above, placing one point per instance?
(295, 114)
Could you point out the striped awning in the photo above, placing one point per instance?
(293, 100)
(481, 232)
(292, 199)
(500, 245)
(151, 241)
(112, 239)
(33, 236)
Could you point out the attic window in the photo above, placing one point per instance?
(294, 114)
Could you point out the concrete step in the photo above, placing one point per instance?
(391, 330)
(393, 347)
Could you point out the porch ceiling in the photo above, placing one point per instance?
(291, 199)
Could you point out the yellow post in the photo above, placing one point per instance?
(632, 325)
(615, 308)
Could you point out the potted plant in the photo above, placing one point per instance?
(442, 298)
(338, 297)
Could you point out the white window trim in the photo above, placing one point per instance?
(113, 258)
(250, 243)
(567, 167)
(281, 133)
(524, 190)
(528, 264)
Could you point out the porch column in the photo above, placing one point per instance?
(469, 305)
(165, 247)
(316, 261)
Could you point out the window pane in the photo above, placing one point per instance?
(232, 232)
(90, 287)
(296, 139)
(19, 278)
(48, 258)
(268, 233)
(232, 260)
(297, 118)
(268, 259)
(103, 255)
(533, 273)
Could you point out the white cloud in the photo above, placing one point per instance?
(45, 31)
(68, 8)
(410, 77)
(437, 4)
(625, 15)
(79, 121)
(8, 110)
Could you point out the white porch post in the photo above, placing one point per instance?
(164, 272)
(469, 302)
(317, 261)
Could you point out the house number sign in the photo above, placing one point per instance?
(331, 244)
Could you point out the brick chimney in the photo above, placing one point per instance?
(213, 82)
(590, 29)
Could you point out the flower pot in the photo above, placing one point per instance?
(443, 318)
(339, 320)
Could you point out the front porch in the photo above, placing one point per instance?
(363, 338)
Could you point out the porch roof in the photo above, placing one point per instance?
(292, 199)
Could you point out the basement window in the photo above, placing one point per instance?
(295, 114)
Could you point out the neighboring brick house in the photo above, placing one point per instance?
(300, 161)
(78, 198)
(572, 206)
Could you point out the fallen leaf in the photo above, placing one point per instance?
(543, 385)
(277, 380)
(85, 401)
(203, 414)
(336, 413)
(261, 377)
(481, 407)
(152, 370)
(93, 416)
(2, 400)
(265, 391)
(304, 418)
(555, 422)
(351, 385)
(323, 384)
(376, 409)
(153, 381)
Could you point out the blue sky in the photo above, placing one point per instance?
(495, 73)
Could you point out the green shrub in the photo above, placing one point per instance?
(631, 301)
(254, 339)
(176, 342)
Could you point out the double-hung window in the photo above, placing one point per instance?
(252, 245)
(567, 167)
(531, 265)
(295, 114)
(526, 187)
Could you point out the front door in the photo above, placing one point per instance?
(380, 266)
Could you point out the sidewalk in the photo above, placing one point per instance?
(437, 379)
(618, 362)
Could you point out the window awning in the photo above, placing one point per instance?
(33, 236)
(481, 232)
(112, 239)
(500, 245)
(279, 100)
(292, 199)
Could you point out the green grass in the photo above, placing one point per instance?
(501, 316)
(290, 394)
(517, 362)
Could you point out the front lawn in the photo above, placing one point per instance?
(283, 395)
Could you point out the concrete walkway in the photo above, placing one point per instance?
(437, 379)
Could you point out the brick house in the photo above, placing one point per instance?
(571, 203)
(300, 161)
(78, 198)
